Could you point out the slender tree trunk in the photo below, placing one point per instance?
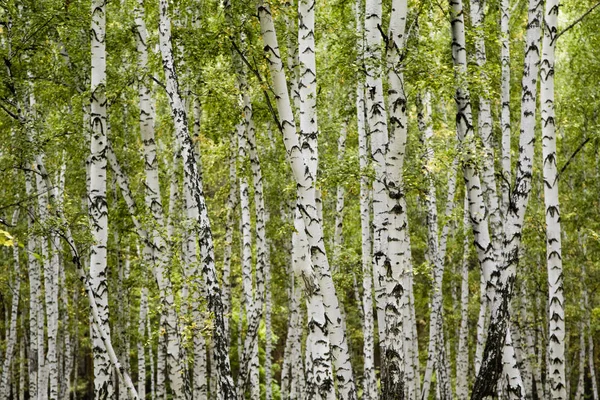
(178, 379)
(484, 129)
(436, 349)
(462, 354)
(556, 317)
(11, 339)
(581, 367)
(378, 130)
(309, 149)
(33, 267)
(338, 238)
(321, 382)
(103, 385)
(505, 102)
(397, 374)
(193, 185)
(369, 379)
(141, 353)
(477, 212)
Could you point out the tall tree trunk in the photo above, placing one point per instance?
(103, 385)
(33, 267)
(193, 185)
(309, 149)
(462, 354)
(556, 316)
(378, 130)
(338, 238)
(484, 129)
(141, 354)
(581, 367)
(370, 391)
(313, 231)
(397, 377)
(505, 103)
(179, 383)
(11, 339)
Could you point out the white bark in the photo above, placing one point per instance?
(581, 366)
(103, 385)
(11, 339)
(309, 147)
(378, 130)
(462, 354)
(484, 129)
(506, 269)
(505, 102)
(556, 316)
(313, 228)
(193, 187)
(397, 373)
(33, 267)
(477, 211)
(156, 240)
(338, 238)
(436, 348)
(96, 320)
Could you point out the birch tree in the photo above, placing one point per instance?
(556, 317)
(103, 385)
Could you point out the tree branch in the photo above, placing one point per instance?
(578, 20)
(260, 80)
(573, 156)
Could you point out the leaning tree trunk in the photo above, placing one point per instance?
(464, 130)
(497, 332)
(312, 229)
(156, 241)
(193, 184)
(309, 148)
(556, 316)
(495, 351)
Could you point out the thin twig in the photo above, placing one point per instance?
(573, 156)
(578, 20)
(261, 81)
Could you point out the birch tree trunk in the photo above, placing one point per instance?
(489, 372)
(505, 125)
(436, 349)
(33, 267)
(556, 316)
(484, 129)
(338, 238)
(193, 184)
(179, 383)
(103, 385)
(141, 354)
(313, 227)
(11, 339)
(369, 379)
(378, 131)
(464, 131)
(462, 354)
(581, 367)
(309, 147)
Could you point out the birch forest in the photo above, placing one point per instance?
(299, 199)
